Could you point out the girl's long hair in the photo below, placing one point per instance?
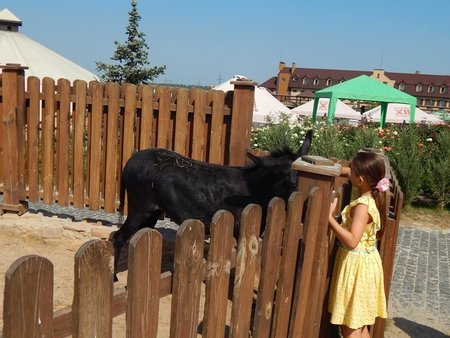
(372, 168)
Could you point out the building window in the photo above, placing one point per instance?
(419, 88)
(442, 103)
(401, 86)
(316, 81)
(429, 102)
(294, 90)
(443, 90)
(430, 89)
(305, 80)
(329, 82)
(295, 79)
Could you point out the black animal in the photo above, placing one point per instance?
(161, 181)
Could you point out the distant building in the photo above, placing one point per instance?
(294, 86)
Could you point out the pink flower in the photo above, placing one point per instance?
(383, 185)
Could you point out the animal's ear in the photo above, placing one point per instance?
(257, 160)
(304, 149)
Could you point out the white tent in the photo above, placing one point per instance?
(342, 110)
(264, 103)
(41, 61)
(399, 113)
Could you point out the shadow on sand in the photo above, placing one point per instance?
(416, 330)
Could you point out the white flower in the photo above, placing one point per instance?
(429, 139)
(380, 142)
(395, 132)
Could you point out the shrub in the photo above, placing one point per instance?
(419, 154)
(438, 169)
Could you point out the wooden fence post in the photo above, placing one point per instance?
(316, 175)
(13, 138)
(241, 120)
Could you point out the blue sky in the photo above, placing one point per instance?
(205, 42)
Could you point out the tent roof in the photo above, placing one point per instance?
(265, 104)
(342, 110)
(41, 61)
(400, 113)
(365, 88)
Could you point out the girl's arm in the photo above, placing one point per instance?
(360, 219)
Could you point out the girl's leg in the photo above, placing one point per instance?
(365, 332)
(351, 333)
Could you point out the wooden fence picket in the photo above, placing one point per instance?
(144, 271)
(95, 141)
(146, 125)
(93, 294)
(164, 137)
(216, 99)
(292, 235)
(199, 126)
(62, 142)
(270, 263)
(218, 275)
(48, 124)
(182, 122)
(28, 303)
(128, 141)
(246, 266)
(33, 116)
(111, 145)
(187, 279)
(78, 143)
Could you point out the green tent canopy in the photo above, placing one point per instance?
(363, 88)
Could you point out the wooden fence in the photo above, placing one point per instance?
(68, 144)
(292, 261)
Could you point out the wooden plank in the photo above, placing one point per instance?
(216, 147)
(48, 123)
(246, 261)
(80, 89)
(292, 235)
(21, 121)
(163, 98)
(302, 298)
(270, 262)
(181, 121)
(95, 140)
(218, 274)
(28, 302)
(187, 279)
(241, 122)
(34, 112)
(198, 99)
(111, 186)
(92, 302)
(62, 143)
(145, 138)
(128, 121)
(144, 270)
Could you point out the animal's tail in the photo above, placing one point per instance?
(122, 200)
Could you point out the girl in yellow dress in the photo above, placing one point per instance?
(357, 292)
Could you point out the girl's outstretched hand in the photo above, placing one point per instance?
(333, 207)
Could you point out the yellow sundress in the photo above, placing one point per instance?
(357, 289)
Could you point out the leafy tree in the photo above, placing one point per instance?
(131, 56)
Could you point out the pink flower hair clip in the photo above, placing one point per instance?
(383, 184)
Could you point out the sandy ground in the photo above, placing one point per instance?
(59, 239)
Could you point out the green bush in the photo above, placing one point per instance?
(438, 169)
(419, 154)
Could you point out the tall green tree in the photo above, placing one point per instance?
(131, 57)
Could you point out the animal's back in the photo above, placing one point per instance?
(181, 187)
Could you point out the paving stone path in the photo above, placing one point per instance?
(421, 280)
